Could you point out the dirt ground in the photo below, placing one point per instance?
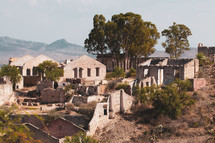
(196, 125)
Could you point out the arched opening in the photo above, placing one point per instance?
(80, 72)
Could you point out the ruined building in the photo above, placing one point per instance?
(163, 71)
(85, 68)
(207, 51)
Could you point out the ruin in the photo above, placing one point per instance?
(164, 71)
(207, 51)
(85, 68)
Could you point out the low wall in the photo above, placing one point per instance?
(198, 83)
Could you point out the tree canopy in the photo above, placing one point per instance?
(176, 39)
(11, 128)
(12, 72)
(51, 70)
(125, 34)
(80, 138)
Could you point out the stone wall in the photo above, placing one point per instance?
(198, 83)
(50, 95)
(31, 80)
(100, 118)
(120, 101)
(77, 100)
(45, 84)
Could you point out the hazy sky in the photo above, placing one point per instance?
(49, 20)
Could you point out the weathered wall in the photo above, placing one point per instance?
(77, 100)
(45, 84)
(31, 80)
(50, 95)
(198, 83)
(84, 62)
(100, 119)
(120, 101)
(168, 75)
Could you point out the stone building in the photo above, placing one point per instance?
(163, 71)
(85, 68)
(6, 90)
(207, 51)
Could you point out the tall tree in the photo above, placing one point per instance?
(51, 70)
(12, 72)
(176, 39)
(95, 43)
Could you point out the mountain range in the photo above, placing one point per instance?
(58, 50)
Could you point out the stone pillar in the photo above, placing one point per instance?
(122, 109)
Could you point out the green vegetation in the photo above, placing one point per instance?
(88, 109)
(131, 73)
(126, 33)
(12, 72)
(11, 128)
(51, 70)
(125, 87)
(118, 72)
(176, 39)
(169, 100)
(80, 138)
(203, 60)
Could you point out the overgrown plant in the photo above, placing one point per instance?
(169, 100)
(80, 137)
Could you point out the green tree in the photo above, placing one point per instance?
(203, 60)
(170, 100)
(12, 72)
(11, 128)
(95, 43)
(176, 39)
(51, 70)
(80, 138)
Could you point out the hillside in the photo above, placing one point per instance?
(58, 50)
(196, 125)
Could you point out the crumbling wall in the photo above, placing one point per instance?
(45, 84)
(168, 74)
(31, 80)
(120, 101)
(50, 95)
(100, 118)
(198, 83)
(77, 100)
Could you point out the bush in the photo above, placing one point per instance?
(80, 137)
(131, 73)
(203, 60)
(170, 100)
(125, 87)
(118, 72)
(88, 109)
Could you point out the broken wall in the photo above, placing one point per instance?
(50, 95)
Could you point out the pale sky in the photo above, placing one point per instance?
(50, 20)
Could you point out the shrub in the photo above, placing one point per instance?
(170, 100)
(125, 87)
(88, 109)
(131, 73)
(203, 60)
(80, 137)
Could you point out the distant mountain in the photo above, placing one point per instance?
(58, 50)
(187, 54)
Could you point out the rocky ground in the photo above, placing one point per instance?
(196, 125)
